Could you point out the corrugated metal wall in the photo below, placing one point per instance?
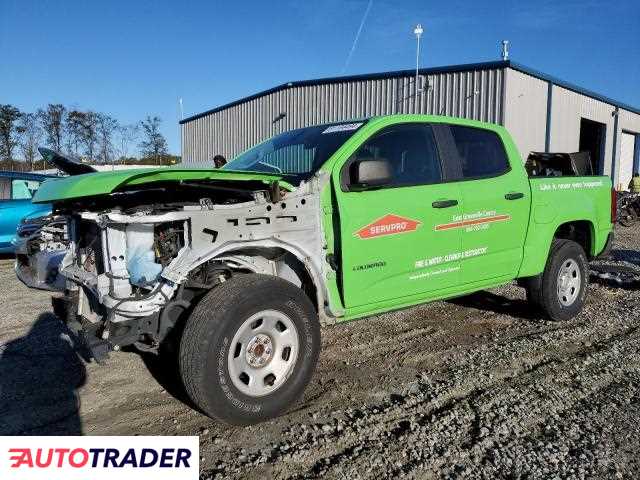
(526, 111)
(569, 107)
(471, 94)
(526, 105)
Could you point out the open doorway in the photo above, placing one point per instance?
(592, 139)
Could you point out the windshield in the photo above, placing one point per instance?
(296, 154)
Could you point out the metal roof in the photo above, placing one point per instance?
(24, 175)
(423, 71)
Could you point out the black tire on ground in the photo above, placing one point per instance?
(627, 217)
(205, 347)
(543, 291)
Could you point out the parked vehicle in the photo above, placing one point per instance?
(237, 269)
(16, 191)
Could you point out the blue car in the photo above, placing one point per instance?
(16, 191)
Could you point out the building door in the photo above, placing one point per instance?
(592, 140)
(390, 246)
(627, 156)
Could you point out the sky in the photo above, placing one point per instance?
(139, 57)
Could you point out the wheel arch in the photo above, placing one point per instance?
(541, 236)
(295, 270)
(580, 231)
(258, 256)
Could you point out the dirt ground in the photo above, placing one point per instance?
(479, 387)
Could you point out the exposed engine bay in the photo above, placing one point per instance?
(130, 267)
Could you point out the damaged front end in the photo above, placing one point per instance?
(132, 263)
(40, 245)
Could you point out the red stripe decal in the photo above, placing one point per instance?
(475, 221)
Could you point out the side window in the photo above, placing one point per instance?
(23, 189)
(480, 151)
(410, 150)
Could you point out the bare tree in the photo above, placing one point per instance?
(127, 135)
(30, 137)
(106, 126)
(9, 116)
(73, 129)
(153, 144)
(52, 119)
(90, 133)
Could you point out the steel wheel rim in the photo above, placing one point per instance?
(569, 282)
(263, 353)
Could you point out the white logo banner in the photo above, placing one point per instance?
(97, 458)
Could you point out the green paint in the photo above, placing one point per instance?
(425, 265)
(103, 183)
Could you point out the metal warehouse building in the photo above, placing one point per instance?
(542, 113)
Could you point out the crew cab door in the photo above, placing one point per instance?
(495, 204)
(390, 247)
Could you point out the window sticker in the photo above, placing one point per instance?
(345, 127)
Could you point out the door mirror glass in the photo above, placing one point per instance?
(370, 173)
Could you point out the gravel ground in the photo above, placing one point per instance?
(479, 387)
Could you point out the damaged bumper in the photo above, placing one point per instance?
(40, 245)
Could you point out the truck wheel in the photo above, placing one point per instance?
(249, 348)
(560, 291)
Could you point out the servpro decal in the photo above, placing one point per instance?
(388, 225)
(472, 219)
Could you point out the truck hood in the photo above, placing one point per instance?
(65, 164)
(104, 183)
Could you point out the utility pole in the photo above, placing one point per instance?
(505, 50)
(418, 33)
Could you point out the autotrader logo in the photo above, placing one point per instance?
(69, 458)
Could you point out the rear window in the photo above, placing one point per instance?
(480, 151)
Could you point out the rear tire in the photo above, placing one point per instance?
(560, 291)
(249, 349)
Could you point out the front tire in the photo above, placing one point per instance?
(560, 291)
(249, 349)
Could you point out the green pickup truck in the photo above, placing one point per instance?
(232, 272)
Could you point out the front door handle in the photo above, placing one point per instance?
(513, 195)
(444, 203)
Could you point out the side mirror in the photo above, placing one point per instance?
(370, 173)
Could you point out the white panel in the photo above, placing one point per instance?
(526, 111)
(627, 149)
(567, 109)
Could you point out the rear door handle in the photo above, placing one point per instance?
(444, 203)
(513, 195)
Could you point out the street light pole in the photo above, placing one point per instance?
(418, 33)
